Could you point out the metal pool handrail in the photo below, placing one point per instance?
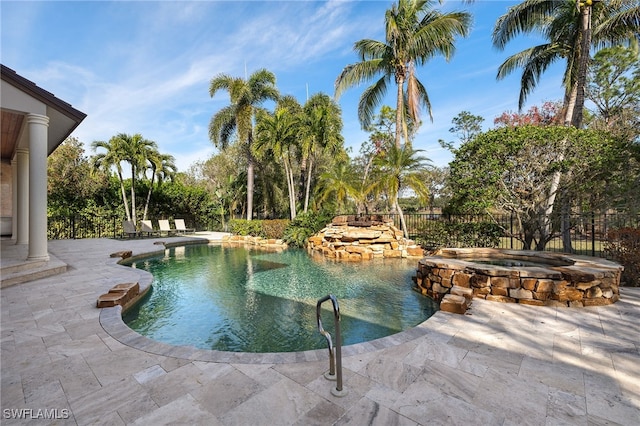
(335, 359)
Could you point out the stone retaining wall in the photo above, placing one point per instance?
(358, 238)
(565, 280)
(267, 244)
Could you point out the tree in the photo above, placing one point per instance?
(321, 131)
(112, 158)
(246, 98)
(614, 84)
(511, 169)
(278, 133)
(570, 29)
(414, 33)
(340, 183)
(132, 149)
(466, 126)
(401, 168)
(548, 115)
(161, 166)
(71, 183)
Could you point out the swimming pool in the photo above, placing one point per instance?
(241, 300)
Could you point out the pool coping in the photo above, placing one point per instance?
(112, 322)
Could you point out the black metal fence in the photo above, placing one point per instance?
(587, 231)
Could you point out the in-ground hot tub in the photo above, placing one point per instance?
(521, 276)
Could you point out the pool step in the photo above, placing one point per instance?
(457, 301)
(120, 294)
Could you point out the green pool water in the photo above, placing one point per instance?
(239, 300)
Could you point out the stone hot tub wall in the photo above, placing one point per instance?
(567, 280)
(357, 238)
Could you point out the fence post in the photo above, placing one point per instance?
(593, 234)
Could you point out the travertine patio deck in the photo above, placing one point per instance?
(501, 365)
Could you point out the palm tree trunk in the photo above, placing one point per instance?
(250, 178)
(308, 185)
(124, 196)
(133, 195)
(146, 204)
(585, 44)
(399, 108)
(290, 188)
(403, 224)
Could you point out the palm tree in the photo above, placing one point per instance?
(136, 151)
(340, 182)
(414, 33)
(401, 168)
(570, 29)
(112, 158)
(162, 166)
(246, 96)
(133, 149)
(321, 126)
(278, 133)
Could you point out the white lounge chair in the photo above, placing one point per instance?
(165, 227)
(146, 227)
(181, 228)
(129, 229)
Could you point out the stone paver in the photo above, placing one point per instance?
(498, 365)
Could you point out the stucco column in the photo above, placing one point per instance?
(21, 218)
(14, 198)
(38, 130)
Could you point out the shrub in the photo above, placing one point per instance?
(246, 227)
(623, 246)
(444, 233)
(304, 226)
(274, 228)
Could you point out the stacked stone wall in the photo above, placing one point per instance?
(266, 244)
(358, 238)
(568, 280)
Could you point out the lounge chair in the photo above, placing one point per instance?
(181, 228)
(130, 229)
(146, 227)
(165, 227)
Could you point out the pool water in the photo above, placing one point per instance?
(240, 300)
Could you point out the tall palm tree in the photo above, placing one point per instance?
(278, 133)
(136, 152)
(161, 166)
(401, 168)
(414, 33)
(246, 97)
(112, 158)
(571, 29)
(321, 133)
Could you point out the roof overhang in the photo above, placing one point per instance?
(19, 97)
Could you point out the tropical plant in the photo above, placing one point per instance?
(304, 226)
(570, 29)
(400, 169)
(246, 98)
(339, 183)
(278, 133)
(161, 166)
(414, 33)
(321, 128)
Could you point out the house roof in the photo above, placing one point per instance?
(63, 118)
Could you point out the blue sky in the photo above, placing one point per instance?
(144, 67)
